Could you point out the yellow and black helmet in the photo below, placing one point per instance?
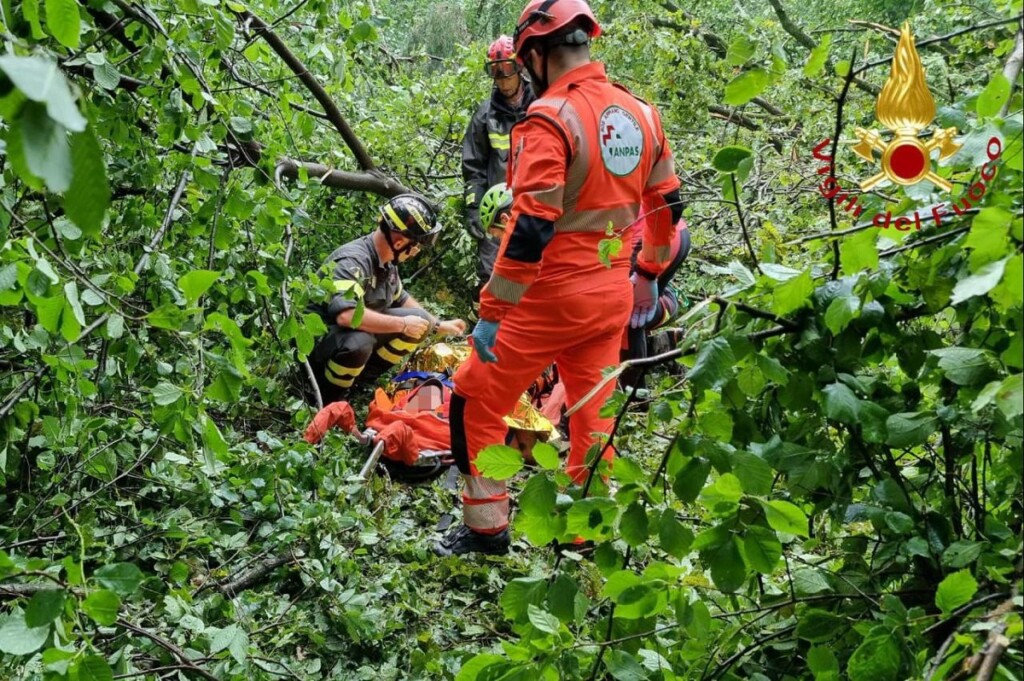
(411, 216)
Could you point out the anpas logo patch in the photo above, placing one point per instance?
(621, 140)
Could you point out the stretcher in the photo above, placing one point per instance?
(406, 428)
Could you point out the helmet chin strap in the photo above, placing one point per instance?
(396, 252)
(538, 83)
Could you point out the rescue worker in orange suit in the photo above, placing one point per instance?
(485, 147)
(638, 341)
(586, 155)
(393, 322)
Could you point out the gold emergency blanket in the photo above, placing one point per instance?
(442, 357)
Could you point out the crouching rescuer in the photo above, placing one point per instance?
(393, 323)
(586, 155)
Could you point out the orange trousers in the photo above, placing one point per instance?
(582, 334)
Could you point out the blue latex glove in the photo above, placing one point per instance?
(645, 301)
(484, 335)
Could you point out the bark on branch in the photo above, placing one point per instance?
(1012, 69)
(374, 181)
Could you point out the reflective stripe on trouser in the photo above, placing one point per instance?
(578, 332)
(346, 356)
(484, 504)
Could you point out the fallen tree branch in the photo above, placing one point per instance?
(1012, 69)
(732, 116)
(254, 576)
(313, 85)
(183, 658)
(371, 181)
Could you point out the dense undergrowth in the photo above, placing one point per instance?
(831, 489)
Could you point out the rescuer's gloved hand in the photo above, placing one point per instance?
(645, 300)
(484, 335)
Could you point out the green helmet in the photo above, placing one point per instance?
(496, 199)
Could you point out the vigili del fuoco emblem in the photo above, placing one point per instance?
(906, 107)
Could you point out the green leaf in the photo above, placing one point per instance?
(876, 659)
(823, 664)
(818, 625)
(793, 294)
(64, 22)
(542, 619)
(995, 94)
(196, 283)
(859, 252)
(633, 525)
(746, 86)
(166, 393)
(955, 590)
(484, 662)
(872, 421)
(819, 55)
(233, 639)
(88, 197)
(40, 80)
(740, 51)
(167, 316)
(17, 638)
(546, 456)
(1010, 396)
(762, 549)
(94, 668)
(102, 606)
(808, 581)
(714, 364)
(537, 517)
(753, 472)
(981, 283)
(689, 481)
(623, 667)
(841, 311)
(121, 578)
(840, 403)
(962, 553)
(964, 366)
(910, 428)
(783, 516)
(499, 462)
(44, 607)
(728, 159)
(592, 518)
(519, 594)
(676, 539)
(727, 569)
(641, 600)
(989, 238)
(723, 496)
(46, 149)
(115, 326)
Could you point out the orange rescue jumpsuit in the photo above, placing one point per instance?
(586, 155)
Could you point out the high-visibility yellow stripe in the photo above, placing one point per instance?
(340, 382)
(399, 345)
(499, 141)
(395, 220)
(348, 285)
(344, 371)
(389, 356)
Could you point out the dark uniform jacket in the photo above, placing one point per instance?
(358, 273)
(485, 150)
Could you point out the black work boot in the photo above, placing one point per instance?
(461, 540)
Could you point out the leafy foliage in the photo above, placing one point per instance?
(831, 491)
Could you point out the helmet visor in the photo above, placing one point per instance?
(429, 239)
(502, 68)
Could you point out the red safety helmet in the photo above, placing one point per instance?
(548, 17)
(501, 58)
